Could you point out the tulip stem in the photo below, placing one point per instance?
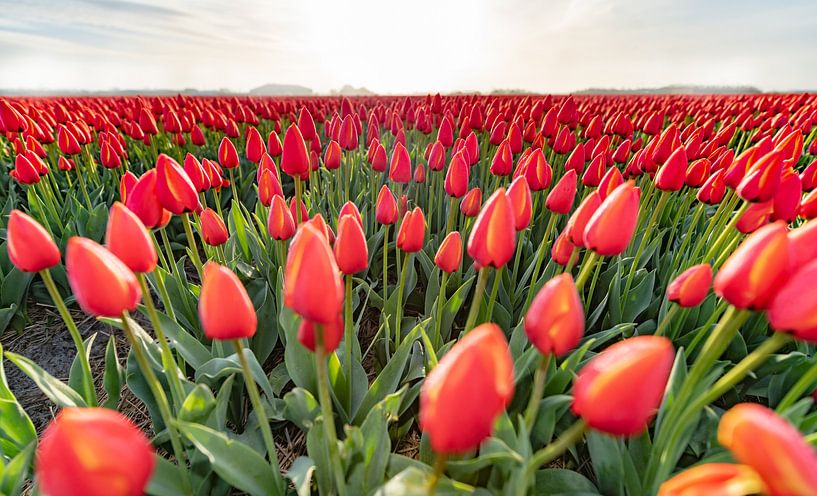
(168, 361)
(87, 377)
(347, 322)
(386, 280)
(540, 256)
(438, 340)
(191, 240)
(84, 189)
(439, 469)
(476, 302)
(297, 201)
(326, 410)
(587, 268)
(666, 320)
(539, 378)
(399, 309)
(645, 240)
(161, 400)
(550, 452)
(452, 215)
(802, 384)
(260, 413)
(494, 292)
(716, 246)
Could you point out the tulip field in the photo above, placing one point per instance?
(508, 295)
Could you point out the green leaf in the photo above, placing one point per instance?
(16, 428)
(561, 482)
(198, 404)
(301, 408)
(300, 473)
(165, 480)
(16, 471)
(114, 376)
(76, 376)
(57, 391)
(233, 461)
(317, 445)
(190, 348)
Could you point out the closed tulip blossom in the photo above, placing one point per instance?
(610, 229)
(471, 202)
(225, 309)
(493, 237)
(752, 275)
(120, 462)
(295, 155)
(400, 168)
(312, 285)
(794, 308)
(690, 288)
(102, 284)
(213, 230)
(128, 239)
(463, 395)
(456, 178)
(174, 189)
(332, 334)
(30, 247)
(227, 154)
(280, 223)
(519, 195)
(711, 479)
(554, 322)
(411, 235)
(386, 208)
(775, 449)
(351, 251)
(560, 199)
(671, 175)
(619, 390)
(449, 255)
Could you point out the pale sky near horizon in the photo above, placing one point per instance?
(407, 47)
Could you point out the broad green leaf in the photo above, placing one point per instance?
(57, 391)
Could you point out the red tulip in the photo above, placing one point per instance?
(30, 247)
(470, 386)
(713, 189)
(400, 168)
(774, 448)
(102, 284)
(24, 171)
(690, 288)
(254, 148)
(280, 224)
(697, 173)
(519, 196)
(312, 284)
(174, 189)
(577, 223)
(197, 136)
(449, 255)
(143, 200)
(619, 390)
(274, 146)
(331, 158)
(671, 175)
(306, 125)
(714, 479)
(213, 230)
(502, 163)
(755, 271)
(493, 238)
(554, 322)
(128, 239)
(563, 249)
(436, 157)
(120, 462)
(332, 334)
(471, 202)
(196, 173)
(295, 156)
(787, 198)
(763, 178)
(611, 180)
(225, 309)
(793, 308)
(560, 199)
(351, 251)
(412, 231)
(612, 225)
(386, 210)
(67, 142)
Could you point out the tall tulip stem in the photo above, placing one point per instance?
(587, 268)
(538, 389)
(476, 302)
(399, 309)
(191, 240)
(438, 470)
(87, 378)
(550, 452)
(326, 410)
(438, 340)
(667, 320)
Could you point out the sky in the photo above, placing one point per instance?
(414, 46)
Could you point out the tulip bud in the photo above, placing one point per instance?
(280, 224)
(102, 284)
(332, 334)
(713, 189)
(225, 309)
(455, 419)
(690, 288)
(400, 168)
(763, 178)
(577, 223)
(775, 449)
(563, 249)
(794, 308)
(560, 199)
(519, 196)
(127, 238)
(502, 163)
(30, 247)
(174, 189)
(254, 148)
(493, 237)
(554, 322)
(312, 284)
(612, 225)
(295, 156)
(619, 390)
(386, 210)
(711, 479)
(213, 230)
(671, 175)
(456, 179)
(331, 158)
(120, 462)
(411, 235)
(755, 271)
(471, 202)
(351, 251)
(196, 173)
(449, 255)
(197, 136)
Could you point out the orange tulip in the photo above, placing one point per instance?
(690, 288)
(213, 230)
(312, 285)
(470, 386)
(386, 210)
(295, 156)
(225, 309)
(400, 168)
(519, 196)
(280, 224)
(794, 308)
(127, 238)
(449, 254)
(351, 251)
(554, 322)
(619, 390)
(802, 244)
(174, 189)
(493, 237)
(563, 249)
(93, 452)
(612, 225)
(332, 334)
(751, 276)
(30, 247)
(762, 179)
(776, 450)
(102, 284)
(412, 231)
(714, 479)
